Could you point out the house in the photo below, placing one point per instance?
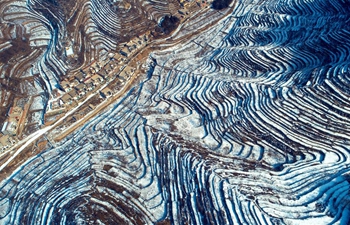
(56, 93)
(139, 41)
(129, 70)
(81, 89)
(111, 55)
(132, 45)
(106, 73)
(66, 86)
(89, 84)
(103, 72)
(87, 80)
(112, 64)
(86, 71)
(15, 112)
(10, 127)
(106, 92)
(11, 124)
(69, 51)
(126, 73)
(95, 67)
(79, 77)
(67, 99)
(109, 66)
(97, 79)
(6, 141)
(74, 83)
(91, 70)
(123, 75)
(147, 36)
(183, 11)
(125, 51)
(118, 57)
(55, 104)
(74, 95)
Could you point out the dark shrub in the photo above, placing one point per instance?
(220, 4)
(168, 24)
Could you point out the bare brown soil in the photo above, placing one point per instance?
(19, 48)
(20, 44)
(16, 162)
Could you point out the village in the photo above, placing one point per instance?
(103, 77)
(96, 78)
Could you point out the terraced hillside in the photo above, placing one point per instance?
(36, 34)
(245, 121)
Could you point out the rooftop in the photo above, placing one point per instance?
(15, 111)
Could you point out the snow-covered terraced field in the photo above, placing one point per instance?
(248, 122)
